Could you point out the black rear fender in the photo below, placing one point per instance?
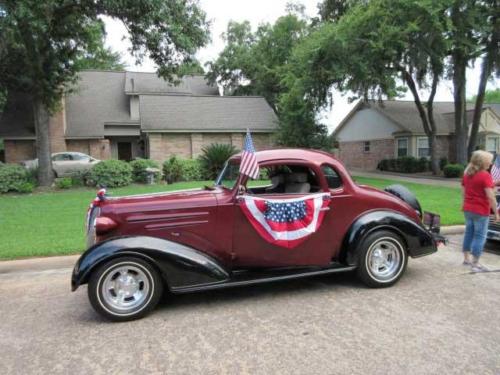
(418, 240)
(180, 265)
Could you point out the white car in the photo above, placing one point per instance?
(66, 163)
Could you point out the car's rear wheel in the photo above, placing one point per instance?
(382, 259)
(125, 288)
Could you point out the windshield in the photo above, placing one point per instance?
(228, 176)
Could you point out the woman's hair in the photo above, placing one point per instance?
(479, 161)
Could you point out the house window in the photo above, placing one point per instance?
(402, 147)
(423, 147)
(492, 144)
(366, 147)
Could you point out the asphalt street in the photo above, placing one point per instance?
(439, 318)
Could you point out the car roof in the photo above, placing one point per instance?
(314, 156)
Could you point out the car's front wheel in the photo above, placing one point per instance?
(125, 288)
(382, 259)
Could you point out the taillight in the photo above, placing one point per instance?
(104, 224)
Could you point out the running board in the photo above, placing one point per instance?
(249, 278)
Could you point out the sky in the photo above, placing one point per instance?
(220, 12)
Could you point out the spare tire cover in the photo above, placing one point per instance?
(405, 195)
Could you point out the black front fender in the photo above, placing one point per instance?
(180, 265)
(419, 241)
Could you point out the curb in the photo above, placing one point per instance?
(453, 229)
(38, 264)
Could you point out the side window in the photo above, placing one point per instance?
(61, 157)
(332, 178)
(80, 157)
(289, 179)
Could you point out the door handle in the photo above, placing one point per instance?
(325, 209)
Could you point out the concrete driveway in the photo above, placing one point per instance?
(437, 319)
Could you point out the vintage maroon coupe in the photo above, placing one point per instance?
(308, 218)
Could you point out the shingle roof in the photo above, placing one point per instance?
(195, 113)
(150, 83)
(99, 99)
(405, 114)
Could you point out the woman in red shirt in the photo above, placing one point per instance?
(479, 202)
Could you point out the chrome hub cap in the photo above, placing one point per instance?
(384, 259)
(125, 288)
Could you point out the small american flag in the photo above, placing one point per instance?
(249, 166)
(495, 169)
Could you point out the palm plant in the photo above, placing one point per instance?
(213, 158)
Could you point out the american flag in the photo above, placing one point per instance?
(285, 212)
(285, 222)
(495, 169)
(249, 166)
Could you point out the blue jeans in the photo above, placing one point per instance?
(476, 227)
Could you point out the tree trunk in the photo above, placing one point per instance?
(486, 70)
(459, 66)
(478, 107)
(434, 155)
(427, 118)
(45, 173)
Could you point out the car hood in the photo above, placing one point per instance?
(157, 201)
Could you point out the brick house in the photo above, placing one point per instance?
(389, 129)
(124, 115)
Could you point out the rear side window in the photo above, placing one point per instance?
(332, 177)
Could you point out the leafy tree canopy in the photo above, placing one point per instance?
(191, 67)
(252, 63)
(43, 41)
(97, 55)
(42, 44)
(490, 97)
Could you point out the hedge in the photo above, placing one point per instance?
(110, 173)
(139, 166)
(453, 170)
(404, 164)
(15, 178)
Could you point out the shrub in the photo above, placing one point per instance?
(80, 178)
(404, 164)
(33, 175)
(13, 178)
(442, 163)
(423, 164)
(213, 158)
(110, 173)
(191, 170)
(383, 165)
(139, 167)
(172, 170)
(26, 187)
(453, 170)
(64, 183)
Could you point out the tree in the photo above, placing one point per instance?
(257, 63)
(191, 67)
(333, 10)
(41, 42)
(372, 48)
(490, 97)
(490, 41)
(97, 55)
(254, 63)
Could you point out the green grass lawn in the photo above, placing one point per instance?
(52, 223)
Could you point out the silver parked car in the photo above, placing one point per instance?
(66, 163)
